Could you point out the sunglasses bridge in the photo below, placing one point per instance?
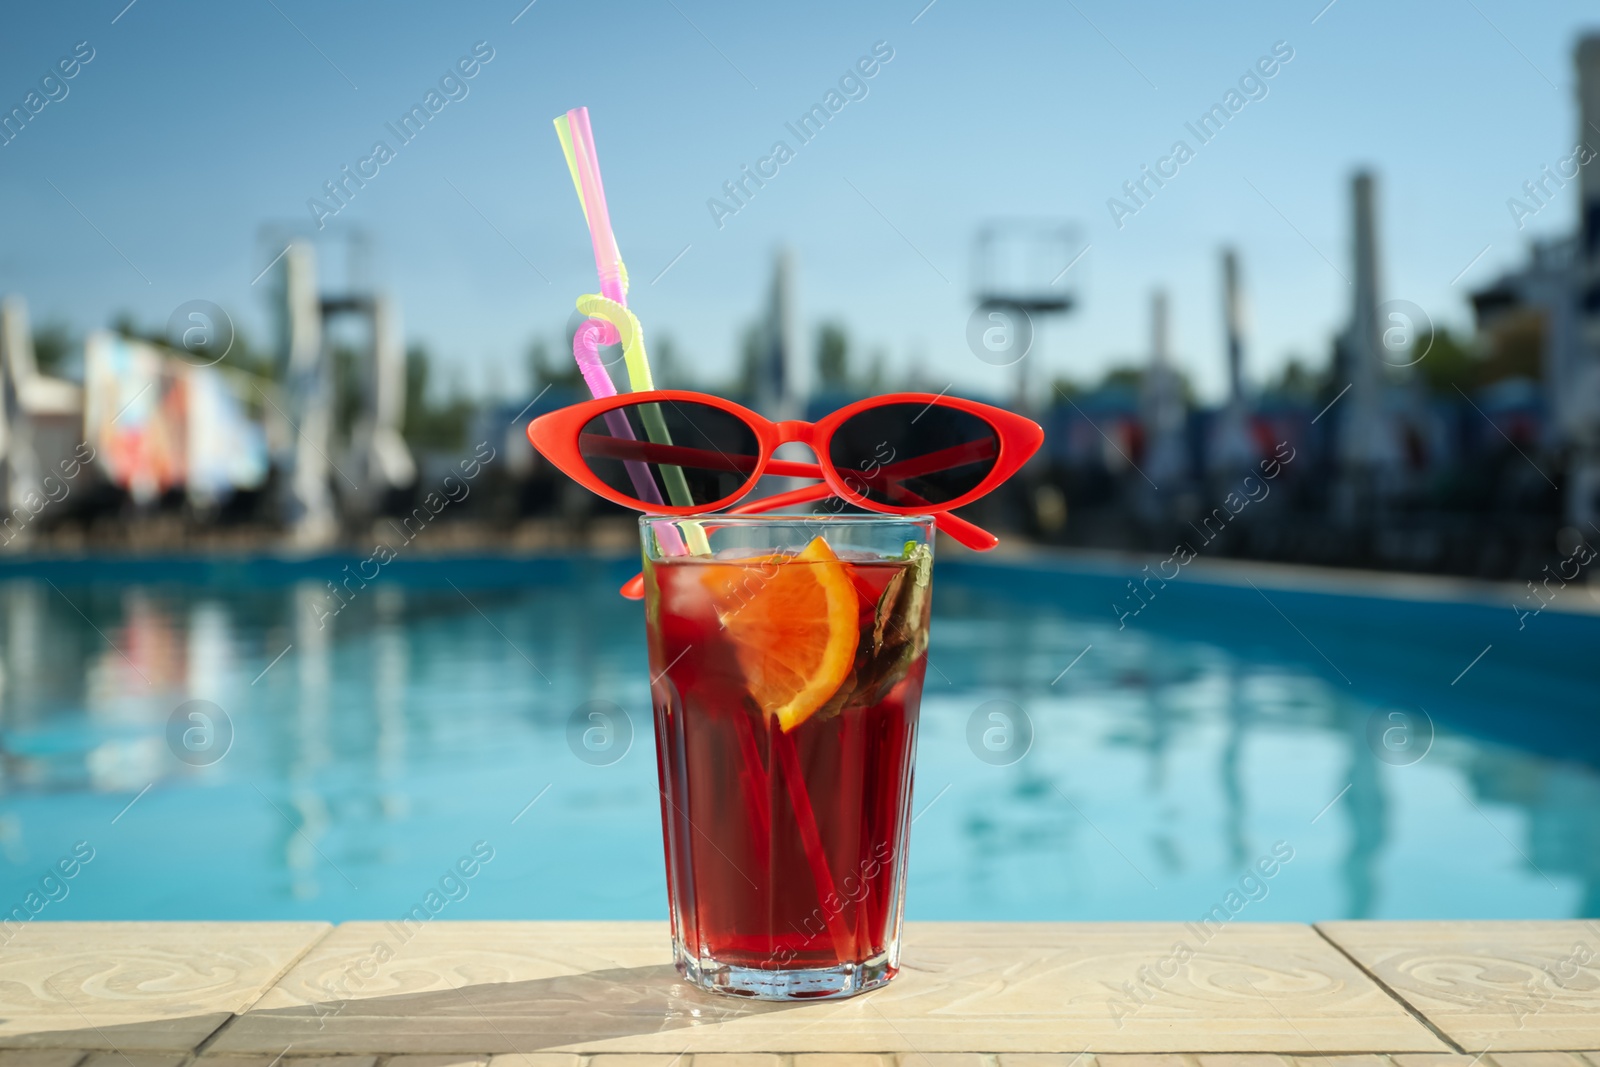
(794, 431)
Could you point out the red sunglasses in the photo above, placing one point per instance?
(673, 452)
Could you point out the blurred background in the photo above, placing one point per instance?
(277, 289)
(1312, 284)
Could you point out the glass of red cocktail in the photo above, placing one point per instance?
(787, 656)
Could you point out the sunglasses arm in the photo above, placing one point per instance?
(964, 533)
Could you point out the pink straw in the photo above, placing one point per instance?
(586, 350)
(608, 264)
(607, 258)
(594, 332)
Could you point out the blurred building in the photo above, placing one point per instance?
(1553, 302)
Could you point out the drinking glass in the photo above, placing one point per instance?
(787, 655)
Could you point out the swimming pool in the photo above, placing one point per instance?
(1384, 757)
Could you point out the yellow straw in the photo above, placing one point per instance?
(629, 334)
(564, 133)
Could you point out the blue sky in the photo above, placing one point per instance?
(196, 124)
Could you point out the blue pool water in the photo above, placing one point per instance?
(1226, 724)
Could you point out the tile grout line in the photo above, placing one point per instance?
(284, 972)
(197, 1052)
(1393, 993)
(216, 1035)
(206, 1042)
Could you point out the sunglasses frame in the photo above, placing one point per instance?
(556, 435)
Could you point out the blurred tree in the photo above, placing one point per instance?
(1123, 376)
(1297, 380)
(122, 323)
(239, 355)
(1131, 376)
(430, 426)
(348, 385)
(417, 372)
(1065, 387)
(545, 371)
(751, 343)
(876, 373)
(1447, 362)
(1515, 348)
(833, 357)
(51, 344)
(666, 367)
(244, 358)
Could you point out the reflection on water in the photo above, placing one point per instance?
(366, 752)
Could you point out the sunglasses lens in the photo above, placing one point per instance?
(678, 453)
(911, 455)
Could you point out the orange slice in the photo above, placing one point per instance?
(794, 627)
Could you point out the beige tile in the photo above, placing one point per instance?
(134, 1059)
(1506, 986)
(449, 1061)
(636, 1059)
(1369, 1060)
(1169, 1059)
(1437, 1059)
(1242, 1059)
(138, 986)
(737, 1059)
(40, 1057)
(942, 1059)
(1539, 1059)
(840, 1059)
(536, 1059)
(468, 987)
(1046, 1059)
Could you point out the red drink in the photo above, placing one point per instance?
(786, 817)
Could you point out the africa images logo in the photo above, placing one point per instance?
(1252, 86)
(852, 86)
(452, 87)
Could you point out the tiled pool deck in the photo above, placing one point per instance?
(504, 994)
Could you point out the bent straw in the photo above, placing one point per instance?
(625, 324)
(587, 338)
(588, 358)
(629, 332)
(611, 307)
